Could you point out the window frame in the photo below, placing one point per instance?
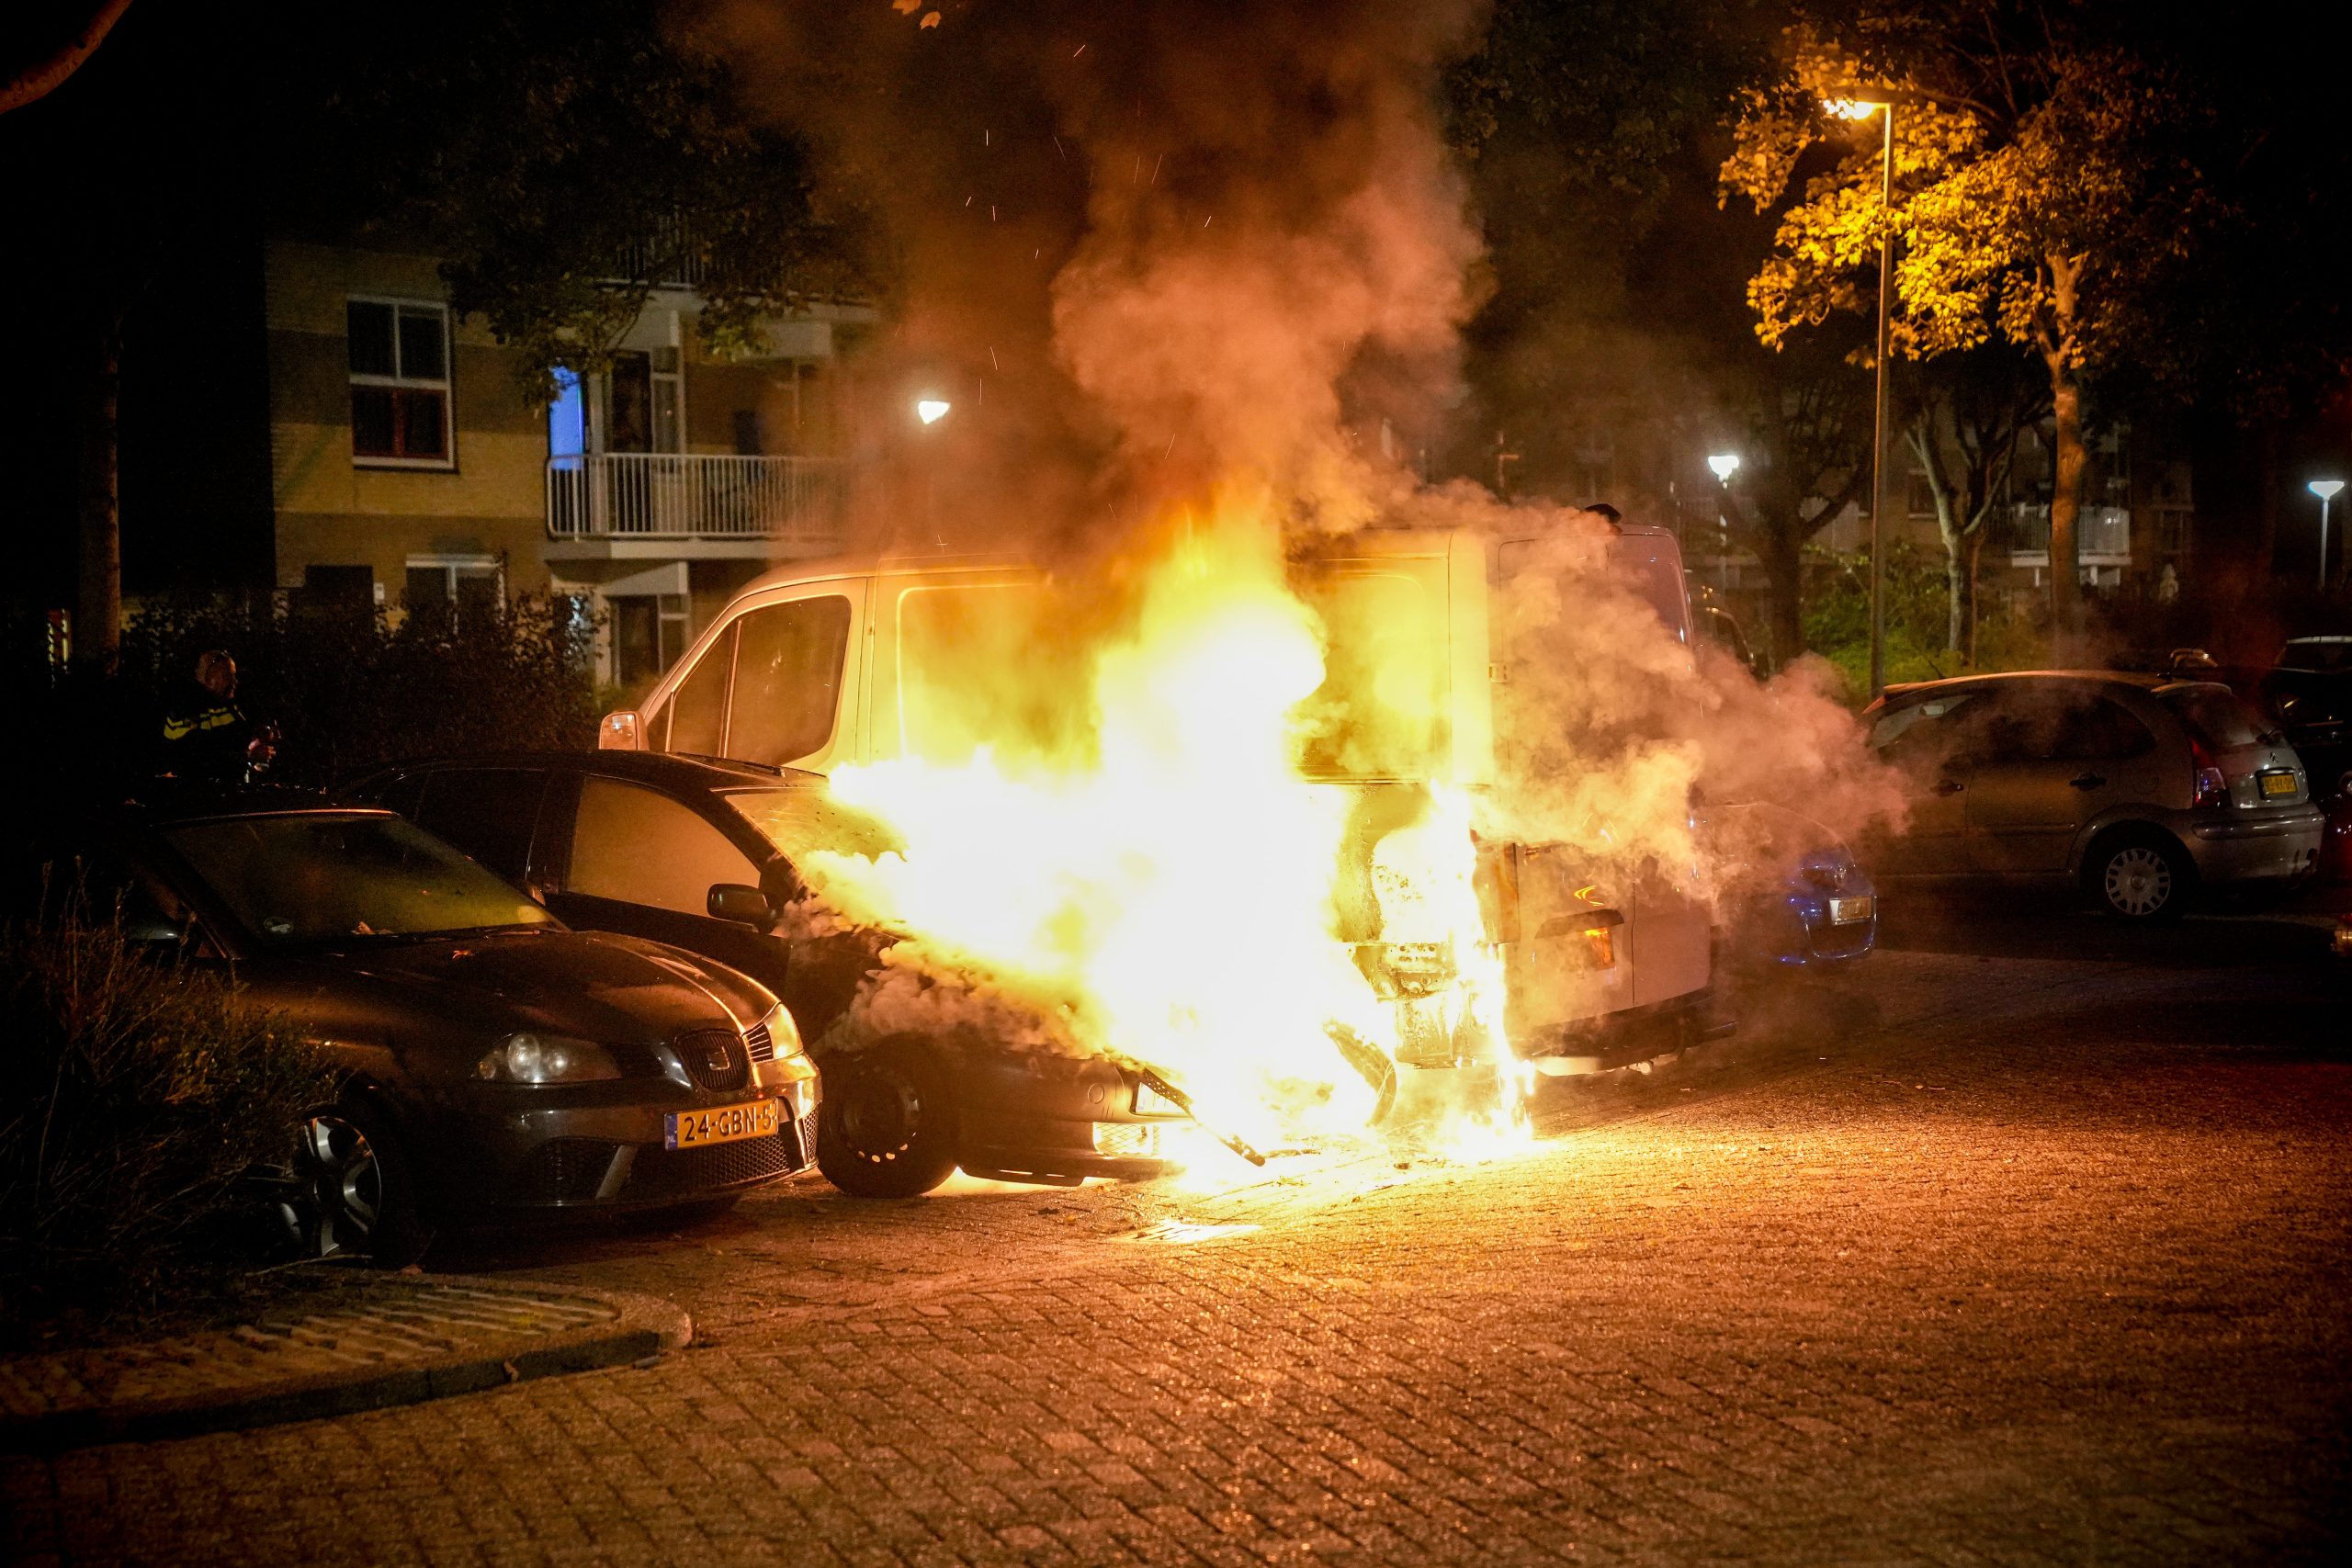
(446, 385)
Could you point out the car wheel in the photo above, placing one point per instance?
(887, 1126)
(351, 1192)
(2140, 876)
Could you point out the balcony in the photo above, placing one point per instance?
(621, 504)
(2102, 535)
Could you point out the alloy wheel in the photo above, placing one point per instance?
(337, 1197)
(2138, 881)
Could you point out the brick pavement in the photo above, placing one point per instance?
(2029, 1261)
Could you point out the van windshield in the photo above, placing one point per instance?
(1380, 713)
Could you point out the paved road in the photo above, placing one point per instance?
(1984, 1256)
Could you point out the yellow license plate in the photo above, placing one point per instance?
(721, 1124)
(1852, 911)
(2277, 783)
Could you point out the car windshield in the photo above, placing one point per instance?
(2216, 716)
(806, 820)
(320, 879)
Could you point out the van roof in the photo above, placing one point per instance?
(864, 563)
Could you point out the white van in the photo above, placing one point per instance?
(818, 664)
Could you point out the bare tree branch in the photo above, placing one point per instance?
(39, 80)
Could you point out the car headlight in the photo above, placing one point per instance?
(782, 1032)
(545, 1058)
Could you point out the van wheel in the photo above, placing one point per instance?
(888, 1125)
(2139, 875)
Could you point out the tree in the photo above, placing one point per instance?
(83, 27)
(577, 153)
(2048, 194)
(564, 157)
(1963, 428)
(1577, 123)
(1803, 418)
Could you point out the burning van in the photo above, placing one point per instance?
(1442, 949)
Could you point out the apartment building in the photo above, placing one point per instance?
(411, 467)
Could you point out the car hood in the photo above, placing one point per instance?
(592, 984)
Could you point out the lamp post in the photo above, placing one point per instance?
(1722, 465)
(1862, 105)
(2325, 489)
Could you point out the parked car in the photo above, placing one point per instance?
(494, 1064)
(2140, 788)
(1798, 900)
(2312, 703)
(700, 853)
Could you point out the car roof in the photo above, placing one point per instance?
(2128, 679)
(670, 769)
(169, 801)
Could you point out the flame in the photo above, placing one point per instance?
(1163, 885)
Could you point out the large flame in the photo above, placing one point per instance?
(1164, 881)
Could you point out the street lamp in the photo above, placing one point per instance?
(931, 411)
(2325, 489)
(1861, 105)
(1724, 465)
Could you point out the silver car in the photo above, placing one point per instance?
(2139, 788)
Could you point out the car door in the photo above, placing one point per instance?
(633, 859)
(2058, 755)
(1932, 742)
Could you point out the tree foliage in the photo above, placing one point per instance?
(567, 158)
(2048, 193)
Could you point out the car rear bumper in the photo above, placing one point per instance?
(1634, 1034)
(2271, 848)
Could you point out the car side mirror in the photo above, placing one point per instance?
(743, 905)
(619, 732)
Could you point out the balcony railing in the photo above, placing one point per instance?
(2102, 534)
(671, 495)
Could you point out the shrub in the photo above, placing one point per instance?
(355, 690)
(134, 1096)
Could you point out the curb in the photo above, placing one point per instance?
(645, 1327)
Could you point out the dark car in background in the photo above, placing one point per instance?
(701, 852)
(2309, 694)
(2140, 788)
(492, 1064)
(1797, 898)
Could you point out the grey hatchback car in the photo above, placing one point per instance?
(2142, 789)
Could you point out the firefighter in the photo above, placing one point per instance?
(206, 734)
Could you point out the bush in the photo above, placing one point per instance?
(355, 690)
(134, 1096)
(1837, 623)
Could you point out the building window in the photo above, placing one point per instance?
(400, 383)
(649, 630)
(462, 585)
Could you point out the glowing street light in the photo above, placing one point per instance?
(931, 411)
(2325, 489)
(1724, 465)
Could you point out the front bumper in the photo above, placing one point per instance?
(1054, 1119)
(603, 1148)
